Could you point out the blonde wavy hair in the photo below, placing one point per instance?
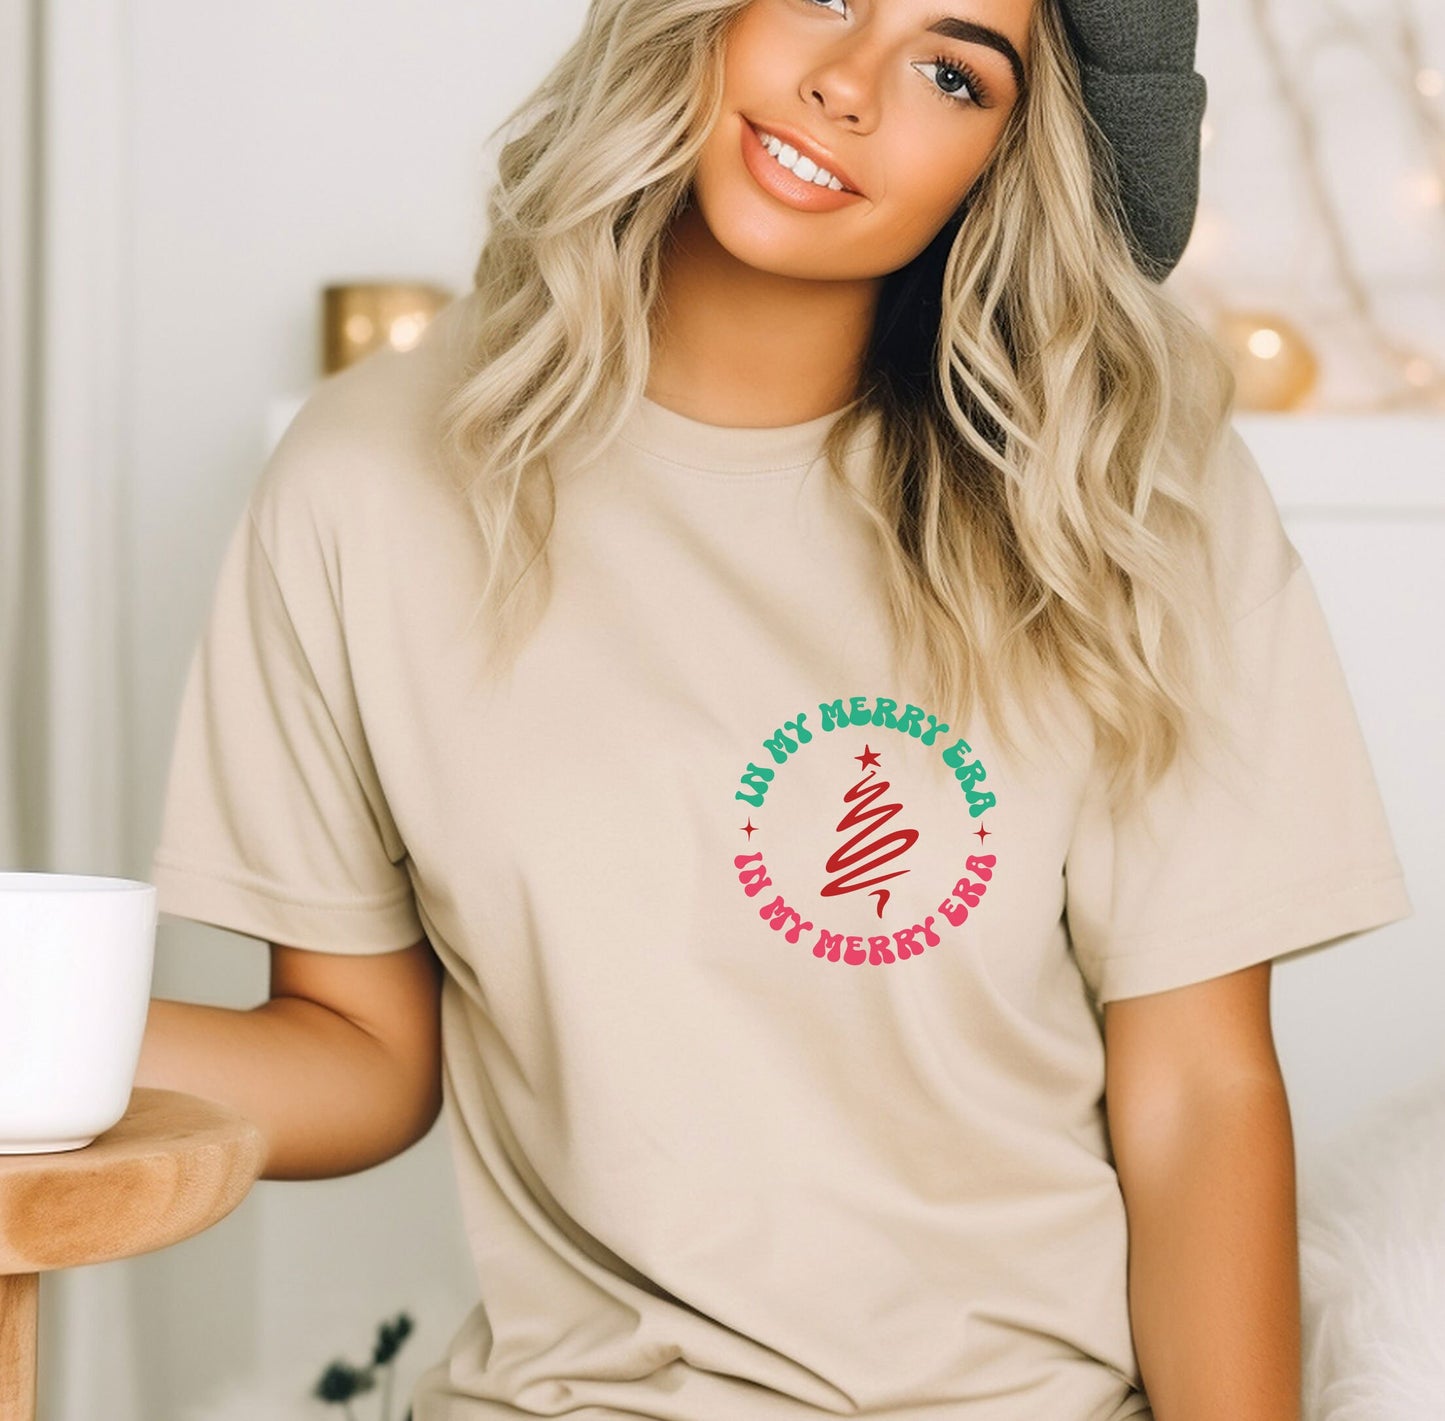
(1040, 489)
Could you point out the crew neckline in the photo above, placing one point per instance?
(733, 449)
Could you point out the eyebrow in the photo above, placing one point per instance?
(970, 32)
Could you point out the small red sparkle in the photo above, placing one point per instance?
(748, 829)
(981, 833)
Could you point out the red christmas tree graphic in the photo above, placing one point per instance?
(869, 848)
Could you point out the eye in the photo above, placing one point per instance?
(954, 80)
(841, 10)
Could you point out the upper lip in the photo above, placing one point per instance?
(809, 149)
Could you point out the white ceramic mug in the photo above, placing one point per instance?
(76, 956)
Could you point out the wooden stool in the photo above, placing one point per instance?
(172, 1166)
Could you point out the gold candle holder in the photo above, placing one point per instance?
(358, 317)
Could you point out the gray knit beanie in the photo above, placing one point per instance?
(1136, 62)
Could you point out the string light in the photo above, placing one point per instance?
(1419, 376)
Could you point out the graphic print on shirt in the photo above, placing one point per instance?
(842, 861)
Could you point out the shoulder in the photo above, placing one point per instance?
(360, 453)
(1256, 556)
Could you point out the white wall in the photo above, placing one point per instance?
(275, 147)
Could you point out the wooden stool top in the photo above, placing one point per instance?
(171, 1167)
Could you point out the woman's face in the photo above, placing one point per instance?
(901, 101)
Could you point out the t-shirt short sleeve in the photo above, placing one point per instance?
(1273, 839)
(274, 822)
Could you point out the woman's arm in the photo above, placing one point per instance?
(341, 1068)
(1204, 1149)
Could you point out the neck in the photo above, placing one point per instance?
(735, 346)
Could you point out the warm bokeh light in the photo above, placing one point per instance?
(1265, 343)
(1427, 189)
(406, 331)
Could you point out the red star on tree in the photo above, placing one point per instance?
(867, 758)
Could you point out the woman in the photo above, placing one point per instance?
(800, 661)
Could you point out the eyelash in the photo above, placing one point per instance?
(978, 95)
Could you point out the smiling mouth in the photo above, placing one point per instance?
(802, 166)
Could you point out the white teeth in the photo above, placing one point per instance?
(799, 166)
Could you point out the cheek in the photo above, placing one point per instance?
(753, 56)
(926, 181)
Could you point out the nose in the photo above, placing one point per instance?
(818, 97)
(843, 85)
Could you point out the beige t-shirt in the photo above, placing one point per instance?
(772, 1033)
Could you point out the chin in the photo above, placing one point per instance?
(768, 241)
